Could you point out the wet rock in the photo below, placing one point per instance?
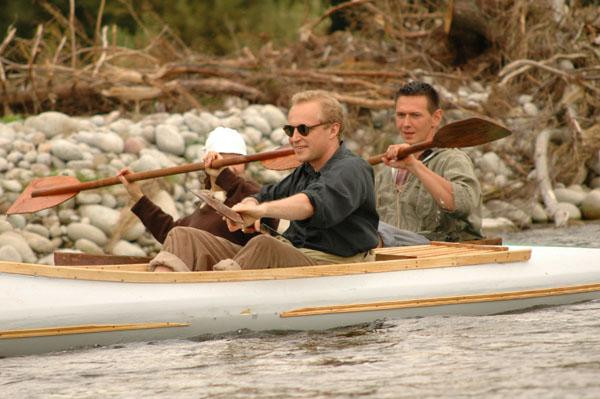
(66, 150)
(39, 244)
(274, 116)
(100, 216)
(125, 248)
(77, 230)
(88, 247)
(571, 196)
(9, 254)
(38, 229)
(5, 226)
(497, 208)
(590, 206)
(572, 210)
(539, 214)
(52, 123)
(493, 226)
(18, 242)
(169, 140)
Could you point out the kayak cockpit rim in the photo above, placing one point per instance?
(390, 260)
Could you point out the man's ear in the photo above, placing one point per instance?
(334, 131)
(436, 118)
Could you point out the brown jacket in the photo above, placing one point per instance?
(205, 218)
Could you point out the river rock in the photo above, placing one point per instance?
(86, 198)
(165, 202)
(18, 242)
(274, 116)
(66, 150)
(252, 136)
(492, 226)
(5, 226)
(110, 142)
(145, 162)
(135, 231)
(9, 254)
(77, 230)
(52, 123)
(18, 221)
(6, 132)
(12, 186)
(125, 248)
(539, 214)
(88, 246)
(257, 121)
(573, 212)
(498, 208)
(196, 123)
(38, 229)
(490, 162)
(133, 145)
(121, 127)
(590, 206)
(169, 140)
(109, 200)
(39, 244)
(101, 216)
(569, 195)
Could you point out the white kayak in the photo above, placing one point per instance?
(53, 308)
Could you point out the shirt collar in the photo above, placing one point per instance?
(338, 154)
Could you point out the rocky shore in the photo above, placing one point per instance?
(98, 221)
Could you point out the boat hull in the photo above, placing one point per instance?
(44, 313)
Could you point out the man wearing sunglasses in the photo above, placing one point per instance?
(329, 201)
(435, 192)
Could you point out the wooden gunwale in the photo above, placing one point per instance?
(441, 301)
(134, 273)
(84, 329)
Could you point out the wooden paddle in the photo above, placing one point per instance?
(465, 133)
(47, 192)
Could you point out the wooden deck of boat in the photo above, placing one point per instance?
(434, 255)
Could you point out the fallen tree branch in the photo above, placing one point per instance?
(560, 217)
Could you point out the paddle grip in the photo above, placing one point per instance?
(150, 174)
(377, 159)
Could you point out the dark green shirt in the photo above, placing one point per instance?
(343, 197)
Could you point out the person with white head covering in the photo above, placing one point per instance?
(227, 184)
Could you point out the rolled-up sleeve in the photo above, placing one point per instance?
(465, 185)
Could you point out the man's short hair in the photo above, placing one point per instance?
(417, 88)
(331, 109)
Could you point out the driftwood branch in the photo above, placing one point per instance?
(560, 217)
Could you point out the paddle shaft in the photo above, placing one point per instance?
(150, 174)
(377, 159)
(464, 133)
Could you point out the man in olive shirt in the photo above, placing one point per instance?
(435, 192)
(329, 200)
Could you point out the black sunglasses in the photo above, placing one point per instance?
(303, 129)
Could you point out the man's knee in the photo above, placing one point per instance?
(262, 241)
(186, 234)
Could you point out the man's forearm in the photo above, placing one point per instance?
(296, 207)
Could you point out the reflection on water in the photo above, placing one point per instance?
(549, 352)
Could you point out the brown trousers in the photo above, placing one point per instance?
(200, 250)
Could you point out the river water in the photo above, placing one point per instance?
(543, 353)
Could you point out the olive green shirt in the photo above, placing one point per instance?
(412, 207)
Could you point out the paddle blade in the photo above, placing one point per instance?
(28, 204)
(282, 163)
(469, 132)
